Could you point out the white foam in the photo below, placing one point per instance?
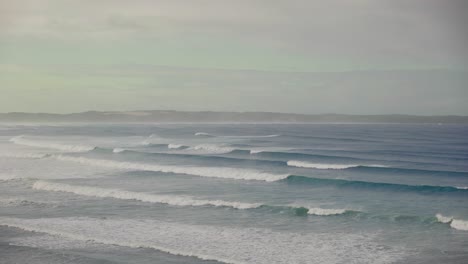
(118, 150)
(214, 172)
(241, 136)
(325, 212)
(251, 136)
(462, 187)
(203, 134)
(53, 242)
(322, 166)
(225, 244)
(174, 146)
(459, 224)
(270, 149)
(21, 140)
(144, 197)
(210, 149)
(454, 223)
(443, 219)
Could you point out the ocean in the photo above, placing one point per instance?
(233, 193)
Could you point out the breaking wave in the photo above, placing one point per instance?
(214, 172)
(210, 149)
(454, 223)
(174, 146)
(225, 244)
(233, 136)
(203, 134)
(21, 140)
(118, 150)
(177, 200)
(144, 197)
(321, 166)
(325, 212)
(24, 155)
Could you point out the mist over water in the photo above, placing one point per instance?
(321, 193)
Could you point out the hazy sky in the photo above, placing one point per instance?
(342, 56)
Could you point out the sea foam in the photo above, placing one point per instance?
(21, 140)
(321, 166)
(225, 244)
(325, 212)
(176, 200)
(454, 223)
(210, 149)
(174, 146)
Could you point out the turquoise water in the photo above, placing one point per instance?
(321, 193)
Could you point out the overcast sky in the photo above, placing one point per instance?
(340, 56)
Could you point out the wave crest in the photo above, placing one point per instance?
(322, 166)
(144, 197)
(213, 172)
(325, 212)
(454, 223)
(174, 146)
(233, 136)
(21, 140)
(211, 149)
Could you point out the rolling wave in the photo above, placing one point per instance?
(375, 168)
(219, 243)
(325, 212)
(203, 134)
(214, 172)
(174, 146)
(176, 200)
(118, 150)
(454, 223)
(21, 140)
(293, 179)
(321, 166)
(24, 155)
(210, 149)
(233, 136)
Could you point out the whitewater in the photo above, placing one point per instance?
(265, 193)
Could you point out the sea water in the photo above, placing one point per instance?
(233, 193)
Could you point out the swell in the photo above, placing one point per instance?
(211, 158)
(374, 168)
(176, 200)
(247, 174)
(395, 170)
(214, 172)
(300, 156)
(297, 179)
(179, 200)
